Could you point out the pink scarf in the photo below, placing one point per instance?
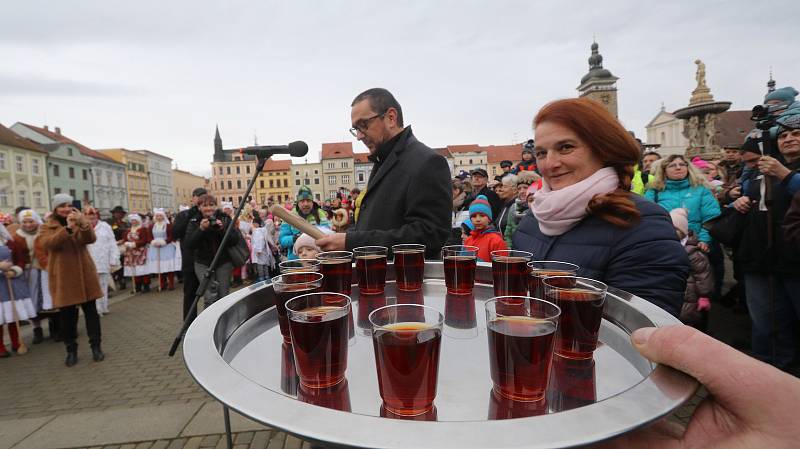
(558, 211)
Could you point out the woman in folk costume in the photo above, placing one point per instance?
(72, 274)
(161, 255)
(35, 265)
(15, 298)
(246, 228)
(263, 250)
(136, 239)
(105, 254)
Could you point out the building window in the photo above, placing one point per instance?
(332, 180)
(361, 176)
(285, 182)
(3, 198)
(331, 164)
(307, 181)
(297, 182)
(2, 161)
(230, 185)
(344, 164)
(57, 190)
(228, 169)
(72, 193)
(238, 183)
(345, 179)
(271, 184)
(37, 199)
(494, 170)
(261, 183)
(69, 151)
(86, 175)
(35, 166)
(119, 180)
(316, 181)
(86, 195)
(19, 163)
(108, 178)
(238, 170)
(316, 195)
(71, 172)
(297, 173)
(470, 161)
(22, 198)
(247, 169)
(316, 172)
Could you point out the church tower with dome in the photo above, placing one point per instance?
(599, 84)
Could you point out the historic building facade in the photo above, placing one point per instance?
(137, 176)
(337, 168)
(274, 183)
(23, 173)
(159, 171)
(599, 84)
(467, 157)
(230, 172)
(310, 175)
(362, 169)
(183, 184)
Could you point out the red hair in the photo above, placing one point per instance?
(605, 135)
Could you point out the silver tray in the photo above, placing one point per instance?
(234, 351)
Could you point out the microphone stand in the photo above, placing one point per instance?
(262, 159)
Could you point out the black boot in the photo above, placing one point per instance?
(72, 358)
(38, 335)
(97, 353)
(55, 328)
(146, 288)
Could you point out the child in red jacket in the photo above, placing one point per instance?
(484, 235)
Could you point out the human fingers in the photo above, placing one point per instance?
(748, 388)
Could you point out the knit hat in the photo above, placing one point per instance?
(305, 194)
(698, 162)
(750, 145)
(528, 147)
(784, 95)
(61, 198)
(790, 119)
(480, 205)
(304, 240)
(29, 213)
(680, 220)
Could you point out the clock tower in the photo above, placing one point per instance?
(599, 84)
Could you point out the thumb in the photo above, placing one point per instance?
(736, 380)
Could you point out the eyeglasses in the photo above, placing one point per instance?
(363, 124)
(678, 165)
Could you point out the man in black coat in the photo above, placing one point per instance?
(408, 198)
(190, 281)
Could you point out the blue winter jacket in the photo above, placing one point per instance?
(698, 200)
(289, 233)
(646, 260)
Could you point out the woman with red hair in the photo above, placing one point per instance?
(585, 213)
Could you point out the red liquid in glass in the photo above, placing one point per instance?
(336, 397)
(409, 268)
(578, 329)
(371, 271)
(320, 347)
(281, 298)
(535, 286)
(520, 354)
(503, 408)
(338, 275)
(459, 311)
(459, 274)
(407, 360)
(510, 276)
(289, 379)
(572, 383)
(366, 304)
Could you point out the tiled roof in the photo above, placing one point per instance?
(465, 148)
(361, 158)
(499, 153)
(10, 138)
(337, 150)
(86, 151)
(279, 165)
(732, 128)
(444, 152)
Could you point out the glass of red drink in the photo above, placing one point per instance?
(572, 384)
(459, 311)
(510, 272)
(304, 265)
(319, 326)
(459, 268)
(581, 301)
(521, 344)
(409, 265)
(336, 397)
(289, 378)
(406, 339)
(371, 268)
(289, 285)
(366, 304)
(504, 408)
(540, 269)
(337, 267)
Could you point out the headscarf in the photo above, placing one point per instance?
(160, 211)
(29, 213)
(133, 217)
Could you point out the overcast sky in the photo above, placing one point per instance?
(159, 75)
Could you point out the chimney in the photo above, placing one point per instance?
(58, 130)
(45, 128)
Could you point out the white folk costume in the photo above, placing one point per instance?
(105, 255)
(161, 256)
(136, 240)
(15, 297)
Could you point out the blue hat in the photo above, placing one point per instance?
(305, 194)
(481, 205)
(790, 119)
(784, 95)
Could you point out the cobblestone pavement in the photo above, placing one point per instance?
(137, 372)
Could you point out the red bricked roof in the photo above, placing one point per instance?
(10, 138)
(86, 151)
(498, 153)
(279, 165)
(337, 150)
(474, 148)
(361, 158)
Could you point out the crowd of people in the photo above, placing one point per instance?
(583, 192)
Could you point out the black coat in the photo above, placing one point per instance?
(179, 226)
(646, 260)
(408, 200)
(204, 244)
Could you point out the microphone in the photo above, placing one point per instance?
(295, 149)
